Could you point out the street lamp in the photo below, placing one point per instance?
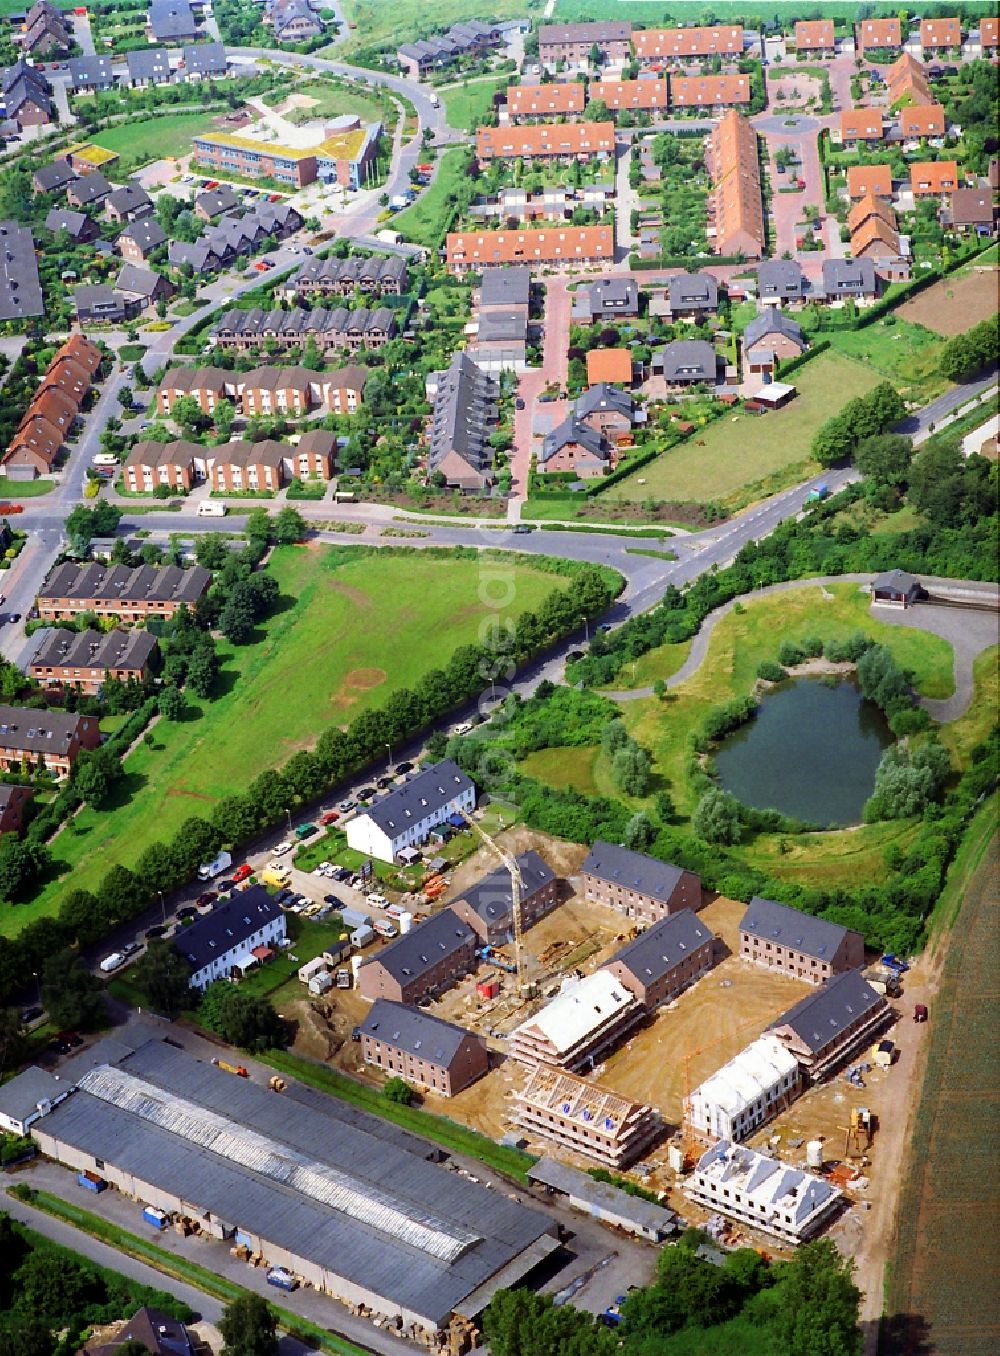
(38, 988)
(288, 816)
(163, 907)
(389, 765)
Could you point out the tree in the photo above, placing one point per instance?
(639, 832)
(885, 459)
(187, 413)
(163, 976)
(12, 1039)
(631, 769)
(717, 818)
(399, 1091)
(816, 1310)
(613, 737)
(83, 524)
(236, 620)
(258, 524)
(95, 773)
(73, 997)
(522, 1323)
(203, 667)
(22, 861)
(249, 1327)
(171, 704)
(289, 526)
(241, 1018)
(223, 416)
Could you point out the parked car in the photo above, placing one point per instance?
(157, 930)
(574, 655)
(30, 1014)
(284, 896)
(329, 817)
(243, 872)
(333, 900)
(188, 911)
(206, 898)
(403, 767)
(282, 848)
(383, 782)
(347, 805)
(519, 404)
(366, 793)
(225, 885)
(70, 1038)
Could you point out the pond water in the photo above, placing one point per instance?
(811, 752)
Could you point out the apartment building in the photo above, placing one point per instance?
(584, 1021)
(487, 905)
(574, 43)
(13, 802)
(176, 463)
(797, 944)
(827, 1027)
(546, 141)
(275, 390)
(557, 99)
(585, 1118)
(476, 250)
(744, 1094)
(688, 44)
(375, 275)
(878, 34)
(85, 659)
(50, 739)
(661, 962)
(763, 1193)
(125, 592)
(241, 465)
(421, 962)
(736, 208)
(206, 384)
(426, 1051)
(405, 817)
(236, 936)
(647, 94)
(710, 91)
(469, 39)
(638, 886)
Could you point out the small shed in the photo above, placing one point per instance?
(885, 1053)
(897, 589)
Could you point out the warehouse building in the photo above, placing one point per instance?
(603, 1201)
(745, 1093)
(584, 1020)
(828, 1026)
(307, 1183)
(487, 906)
(408, 1043)
(797, 944)
(405, 818)
(661, 962)
(585, 1118)
(638, 886)
(421, 962)
(762, 1192)
(233, 938)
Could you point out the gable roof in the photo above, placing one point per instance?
(146, 232)
(505, 287)
(490, 897)
(415, 952)
(848, 276)
(570, 431)
(205, 58)
(774, 922)
(822, 1016)
(688, 357)
(226, 927)
(56, 175)
(664, 946)
(633, 870)
(604, 397)
(133, 278)
(781, 276)
(685, 289)
(865, 179)
(608, 365)
(772, 321)
(417, 1032)
(66, 219)
(150, 63)
(129, 198)
(423, 795)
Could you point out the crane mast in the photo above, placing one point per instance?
(516, 891)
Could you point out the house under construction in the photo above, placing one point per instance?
(581, 1023)
(585, 1118)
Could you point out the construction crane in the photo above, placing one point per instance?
(516, 890)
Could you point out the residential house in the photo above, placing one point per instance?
(878, 34)
(98, 304)
(88, 74)
(276, 390)
(501, 339)
(973, 209)
(341, 391)
(405, 817)
(827, 1027)
(206, 384)
(908, 83)
(241, 465)
(49, 739)
(472, 38)
(924, 122)
(771, 336)
(606, 299)
(377, 275)
(692, 295)
(606, 365)
(295, 21)
(463, 419)
(201, 256)
(89, 190)
(204, 62)
(20, 287)
(586, 1019)
(125, 592)
(78, 226)
(425, 1050)
(83, 660)
(896, 588)
(936, 34)
(780, 282)
(248, 331)
(160, 1334)
(757, 1084)
(128, 203)
(487, 905)
(13, 800)
(40, 435)
(574, 43)
(575, 446)
(26, 96)
(664, 959)
(557, 99)
(863, 180)
(312, 457)
(989, 35)
(934, 178)
(477, 250)
(797, 944)
(139, 239)
(143, 287)
(215, 202)
(736, 204)
(858, 127)
(584, 1118)
(46, 32)
(879, 240)
(52, 178)
(710, 91)
(149, 464)
(641, 887)
(148, 66)
(687, 362)
(546, 141)
(233, 938)
(607, 410)
(421, 962)
(815, 36)
(688, 44)
(33, 449)
(762, 1192)
(854, 278)
(647, 94)
(171, 21)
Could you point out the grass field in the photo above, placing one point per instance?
(906, 353)
(29, 489)
(333, 101)
(319, 662)
(149, 139)
(741, 457)
(426, 222)
(946, 1258)
(470, 102)
(379, 22)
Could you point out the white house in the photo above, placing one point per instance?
(763, 1192)
(28, 1097)
(738, 1098)
(233, 937)
(405, 817)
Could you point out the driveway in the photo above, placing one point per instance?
(554, 369)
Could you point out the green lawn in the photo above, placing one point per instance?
(741, 457)
(469, 103)
(333, 101)
(341, 617)
(428, 220)
(567, 767)
(907, 354)
(26, 489)
(378, 22)
(149, 139)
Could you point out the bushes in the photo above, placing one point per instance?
(861, 418)
(770, 671)
(971, 352)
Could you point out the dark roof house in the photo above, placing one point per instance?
(774, 922)
(849, 278)
(685, 361)
(781, 280)
(771, 321)
(693, 292)
(622, 866)
(414, 953)
(20, 288)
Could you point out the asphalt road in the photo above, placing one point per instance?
(921, 421)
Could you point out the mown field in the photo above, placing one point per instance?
(148, 139)
(348, 629)
(467, 103)
(907, 354)
(740, 457)
(426, 222)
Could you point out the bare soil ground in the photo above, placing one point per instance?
(954, 304)
(324, 1027)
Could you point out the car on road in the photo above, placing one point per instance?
(329, 817)
(130, 948)
(282, 848)
(366, 793)
(224, 886)
(574, 655)
(206, 898)
(522, 528)
(519, 404)
(332, 899)
(13, 616)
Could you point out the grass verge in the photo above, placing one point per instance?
(428, 220)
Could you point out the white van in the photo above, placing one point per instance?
(211, 508)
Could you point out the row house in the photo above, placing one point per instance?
(557, 99)
(242, 465)
(815, 36)
(757, 1084)
(26, 96)
(229, 940)
(548, 204)
(423, 1049)
(467, 39)
(863, 180)
(736, 204)
(797, 944)
(907, 82)
(476, 250)
(762, 1192)
(20, 286)
(127, 593)
(939, 34)
(424, 961)
(376, 275)
(44, 739)
(688, 44)
(464, 416)
(407, 816)
(710, 91)
(545, 140)
(54, 407)
(827, 1027)
(276, 390)
(585, 1118)
(665, 959)
(647, 94)
(924, 122)
(83, 660)
(878, 35)
(182, 464)
(989, 35)
(574, 43)
(641, 887)
(245, 331)
(858, 127)
(207, 385)
(176, 464)
(46, 31)
(487, 906)
(583, 1022)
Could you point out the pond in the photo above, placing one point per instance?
(811, 752)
